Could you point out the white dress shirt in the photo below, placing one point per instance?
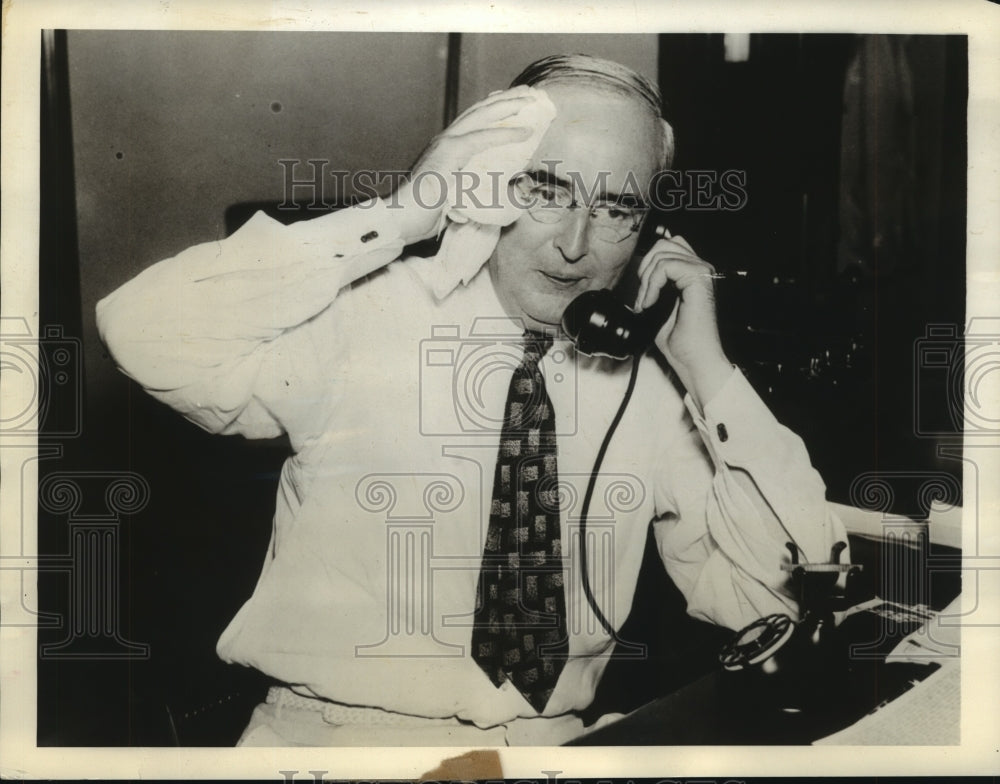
(391, 397)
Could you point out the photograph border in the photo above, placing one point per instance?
(22, 25)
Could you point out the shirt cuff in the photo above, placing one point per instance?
(735, 424)
(362, 229)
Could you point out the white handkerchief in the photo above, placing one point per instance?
(482, 205)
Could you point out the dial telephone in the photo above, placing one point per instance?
(797, 665)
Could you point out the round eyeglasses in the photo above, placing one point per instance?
(551, 203)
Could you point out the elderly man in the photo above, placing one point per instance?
(429, 579)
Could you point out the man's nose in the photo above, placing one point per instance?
(573, 241)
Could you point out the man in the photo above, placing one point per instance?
(424, 583)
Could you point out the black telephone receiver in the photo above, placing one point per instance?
(601, 324)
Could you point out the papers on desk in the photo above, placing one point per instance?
(893, 611)
(935, 637)
(935, 640)
(928, 714)
(945, 524)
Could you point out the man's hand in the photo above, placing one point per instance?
(690, 338)
(425, 194)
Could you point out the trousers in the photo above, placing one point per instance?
(289, 719)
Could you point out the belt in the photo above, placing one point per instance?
(339, 714)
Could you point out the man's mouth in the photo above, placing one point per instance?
(562, 280)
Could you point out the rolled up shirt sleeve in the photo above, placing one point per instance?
(734, 489)
(220, 331)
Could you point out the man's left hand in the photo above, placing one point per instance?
(690, 338)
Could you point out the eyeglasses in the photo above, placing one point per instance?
(551, 203)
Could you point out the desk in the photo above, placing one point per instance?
(721, 709)
(726, 708)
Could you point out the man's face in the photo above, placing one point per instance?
(609, 143)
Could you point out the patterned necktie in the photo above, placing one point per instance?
(520, 623)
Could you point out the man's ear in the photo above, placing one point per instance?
(668, 144)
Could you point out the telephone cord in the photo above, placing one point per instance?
(584, 574)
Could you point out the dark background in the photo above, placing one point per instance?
(849, 246)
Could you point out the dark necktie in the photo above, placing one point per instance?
(520, 623)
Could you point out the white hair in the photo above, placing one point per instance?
(608, 74)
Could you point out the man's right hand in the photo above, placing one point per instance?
(423, 196)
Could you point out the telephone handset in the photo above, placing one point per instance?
(600, 324)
